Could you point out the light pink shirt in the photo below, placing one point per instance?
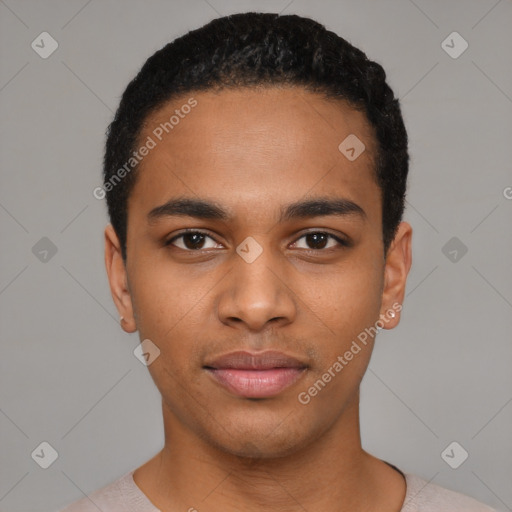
(123, 495)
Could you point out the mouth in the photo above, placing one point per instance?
(256, 375)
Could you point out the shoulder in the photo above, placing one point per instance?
(122, 495)
(422, 496)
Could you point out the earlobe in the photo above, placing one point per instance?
(117, 277)
(396, 270)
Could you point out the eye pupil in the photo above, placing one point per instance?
(196, 239)
(318, 240)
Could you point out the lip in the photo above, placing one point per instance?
(256, 375)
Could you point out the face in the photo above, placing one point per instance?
(250, 230)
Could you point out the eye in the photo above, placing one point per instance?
(320, 240)
(192, 240)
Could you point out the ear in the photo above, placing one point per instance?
(396, 269)
(117, 278)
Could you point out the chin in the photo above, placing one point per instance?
(269, 440)
(253, 450)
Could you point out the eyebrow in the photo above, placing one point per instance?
(202, 209)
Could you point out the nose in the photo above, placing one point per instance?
(257, 294)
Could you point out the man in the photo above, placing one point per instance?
(255, 174)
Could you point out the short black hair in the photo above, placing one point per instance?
(260, 49)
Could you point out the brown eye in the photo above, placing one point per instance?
(319, 240)
(192, 241)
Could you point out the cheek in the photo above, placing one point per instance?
(343, 328)
(168, 307)
(347, 298)
(343, 310)
(167, 299)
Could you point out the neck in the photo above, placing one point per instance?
(189, 473)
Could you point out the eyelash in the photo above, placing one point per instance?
(341, 241)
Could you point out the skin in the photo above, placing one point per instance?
(254, 152)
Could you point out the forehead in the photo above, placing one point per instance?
(249, 148)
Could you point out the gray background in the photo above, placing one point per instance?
(68, 373)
